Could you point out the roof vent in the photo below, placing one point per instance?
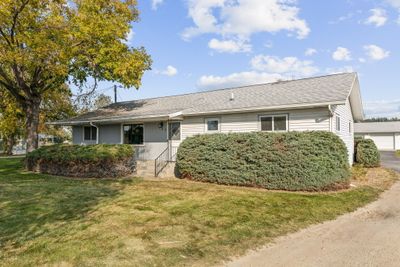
(232, 97)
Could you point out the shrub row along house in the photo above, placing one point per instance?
(157, 126)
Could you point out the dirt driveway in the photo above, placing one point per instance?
(369, 236)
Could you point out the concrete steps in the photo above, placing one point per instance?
(168, 171)
(146, 169)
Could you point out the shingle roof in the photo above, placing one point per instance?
(377, 127)
(295, 93)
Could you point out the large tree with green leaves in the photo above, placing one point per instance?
(11, 121)
(45, 43)
(56, 105)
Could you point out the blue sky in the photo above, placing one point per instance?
(206, 44)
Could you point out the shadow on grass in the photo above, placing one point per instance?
(33, 204)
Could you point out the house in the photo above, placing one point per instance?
(386, 135)
(157, 126)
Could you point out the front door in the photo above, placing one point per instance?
(174, 137)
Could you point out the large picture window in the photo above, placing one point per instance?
(89, 133)
(174, 131)
(133, 134)
(274, 123)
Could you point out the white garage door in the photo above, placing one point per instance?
(383, 141)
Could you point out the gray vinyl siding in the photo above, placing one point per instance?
(155, 136)
(316, 119)
(346, 116)
(155, 140)
(110, 134)
(77, 136)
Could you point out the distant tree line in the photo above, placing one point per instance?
(381, 119)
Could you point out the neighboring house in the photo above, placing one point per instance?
(157, 126)
(386, 135)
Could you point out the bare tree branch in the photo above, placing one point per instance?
(15, 19)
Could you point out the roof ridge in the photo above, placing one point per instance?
(232, 88)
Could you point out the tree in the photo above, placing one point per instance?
(11, 121)
(102, 100)
(45, 43)
(56, 105)
(89, 102)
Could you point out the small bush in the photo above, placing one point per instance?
(83, 161)
(367, 153)
(309, 161)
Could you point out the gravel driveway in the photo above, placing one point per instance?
(369, 236)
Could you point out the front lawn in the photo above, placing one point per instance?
(398, 153)
(59, 221)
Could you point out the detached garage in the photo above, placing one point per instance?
(386, 135)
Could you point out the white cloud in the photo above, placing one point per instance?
(375, 52)
(341, 54)
(264, 69)
(287, 65)
(394, 3)
(339, 70)
(236, 79)
(310, 51)
(348, 16)
(362, 60)
(242, 18)
(377, 18)
(169, 71)
(156, 3)
(382, 108)
(229, 46)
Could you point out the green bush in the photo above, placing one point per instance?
(367, 153)
(309, 161)
(83, 161)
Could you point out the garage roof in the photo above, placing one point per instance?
(377, 127)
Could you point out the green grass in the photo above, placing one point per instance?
(47, 220)
(398, 153)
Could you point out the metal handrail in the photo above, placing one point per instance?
(161, 161)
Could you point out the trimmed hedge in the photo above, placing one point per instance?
(367, 153)
(306, 161)
(97, 161)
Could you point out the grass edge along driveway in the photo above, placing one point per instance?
(47, 220)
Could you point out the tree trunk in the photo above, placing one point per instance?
(32, 109)
(9, 145)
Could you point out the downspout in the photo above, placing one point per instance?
(97, 132)
(331, 113)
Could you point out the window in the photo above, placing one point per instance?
(338, 123)
(174, 131)
(90, 133)
(212, 125)
(274, 123)
(133, 134)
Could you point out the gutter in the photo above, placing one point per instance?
(97, 132)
